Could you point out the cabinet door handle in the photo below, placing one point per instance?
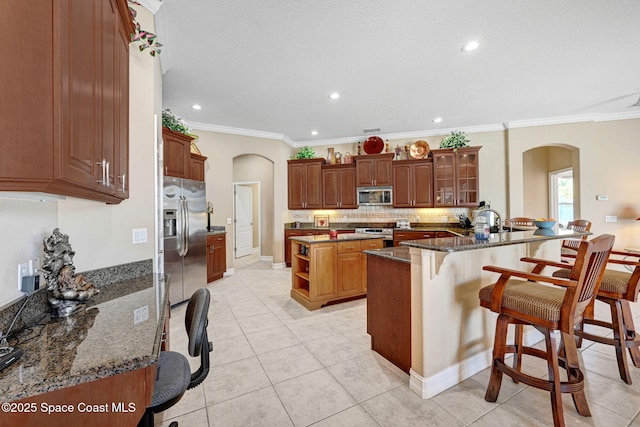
(105, 170)
(108, 177)
(166, 170)
(123, 179)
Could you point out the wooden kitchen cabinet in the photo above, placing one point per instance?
(413, 183)
(455, 177)
(339, 187)
(403, 235)
(197, 167)
(304, 177)
(374, 170)
(216, 256)
(177, 153)
(349, 269)
(65, 88)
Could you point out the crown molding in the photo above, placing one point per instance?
(242, 132)
(419, 134)
(572, 119)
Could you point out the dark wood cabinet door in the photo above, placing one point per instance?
(122, 112)
(304, 178)
(197, 167)
(177, 154)
(374, 170)
(216, 257)
(314, 186)
(364, 172)
(81, 160)
(422, 183)
(402, 185)
(296, 185)
(339, 187)
(383, 174)
(347, 185)
(330, 188)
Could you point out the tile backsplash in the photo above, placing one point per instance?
(382, 214)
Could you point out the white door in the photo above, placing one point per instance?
(244, 224)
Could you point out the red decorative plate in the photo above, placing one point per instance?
(373, 145)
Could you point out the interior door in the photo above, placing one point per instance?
(244, 222)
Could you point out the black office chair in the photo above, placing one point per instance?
(173, 375)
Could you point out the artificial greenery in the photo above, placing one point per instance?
(147, 39)
(305, 152)
(171, 121)
(456, 140)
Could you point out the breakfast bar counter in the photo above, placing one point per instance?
(451, 336)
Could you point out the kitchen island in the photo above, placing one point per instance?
(328, 269)
(451, 335)
(97, 366)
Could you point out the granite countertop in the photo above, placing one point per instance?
(216, 229)
(397, 253)
(466, 243)
(324, 238)
(119, 331)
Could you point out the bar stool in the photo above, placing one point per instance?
(617, 290)
(522, 298)
(570, 246)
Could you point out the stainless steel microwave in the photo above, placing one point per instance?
(375, 196)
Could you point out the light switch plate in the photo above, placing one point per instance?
(139, 235)
(610, 218)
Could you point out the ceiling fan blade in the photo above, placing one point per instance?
(637, 104)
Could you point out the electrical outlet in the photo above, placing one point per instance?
(140, 314)
(23, 271)
(228, 220)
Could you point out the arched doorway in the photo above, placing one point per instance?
(256, 172)
(545, 169)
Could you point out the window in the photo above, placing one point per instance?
(561, 194)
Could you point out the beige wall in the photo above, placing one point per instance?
(100, 234)
(607, 154)
(221, 150)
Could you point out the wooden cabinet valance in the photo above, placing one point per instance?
(65, 89)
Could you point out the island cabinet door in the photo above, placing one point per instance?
(323, 274)
(349, 270)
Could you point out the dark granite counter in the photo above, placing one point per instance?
(320, 238)
(119, 331)
(467, 243)
(398, 253)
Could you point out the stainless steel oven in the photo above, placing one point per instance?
(383, 233)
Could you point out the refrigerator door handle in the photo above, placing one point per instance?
(186, 225)
(180, 227)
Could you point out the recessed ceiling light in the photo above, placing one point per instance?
(473, 45)
(196, 107)
(437, 120)
(334, 95)
(314, 132)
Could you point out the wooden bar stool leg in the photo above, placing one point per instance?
(554, 378)
(619, 334)
(630, 332)
(573, 373)
(499, 350)
(517, 354)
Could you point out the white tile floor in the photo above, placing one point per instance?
(276, 364)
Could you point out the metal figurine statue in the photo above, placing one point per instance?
(68, 292)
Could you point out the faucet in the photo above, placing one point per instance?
(500, 230)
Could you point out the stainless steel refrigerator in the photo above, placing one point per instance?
(185, 239)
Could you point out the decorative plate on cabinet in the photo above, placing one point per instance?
(419, 149)
(373, 145)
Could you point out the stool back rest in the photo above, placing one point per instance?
(195, 320)
(576, 225)
(587, 271)
(630, 260)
